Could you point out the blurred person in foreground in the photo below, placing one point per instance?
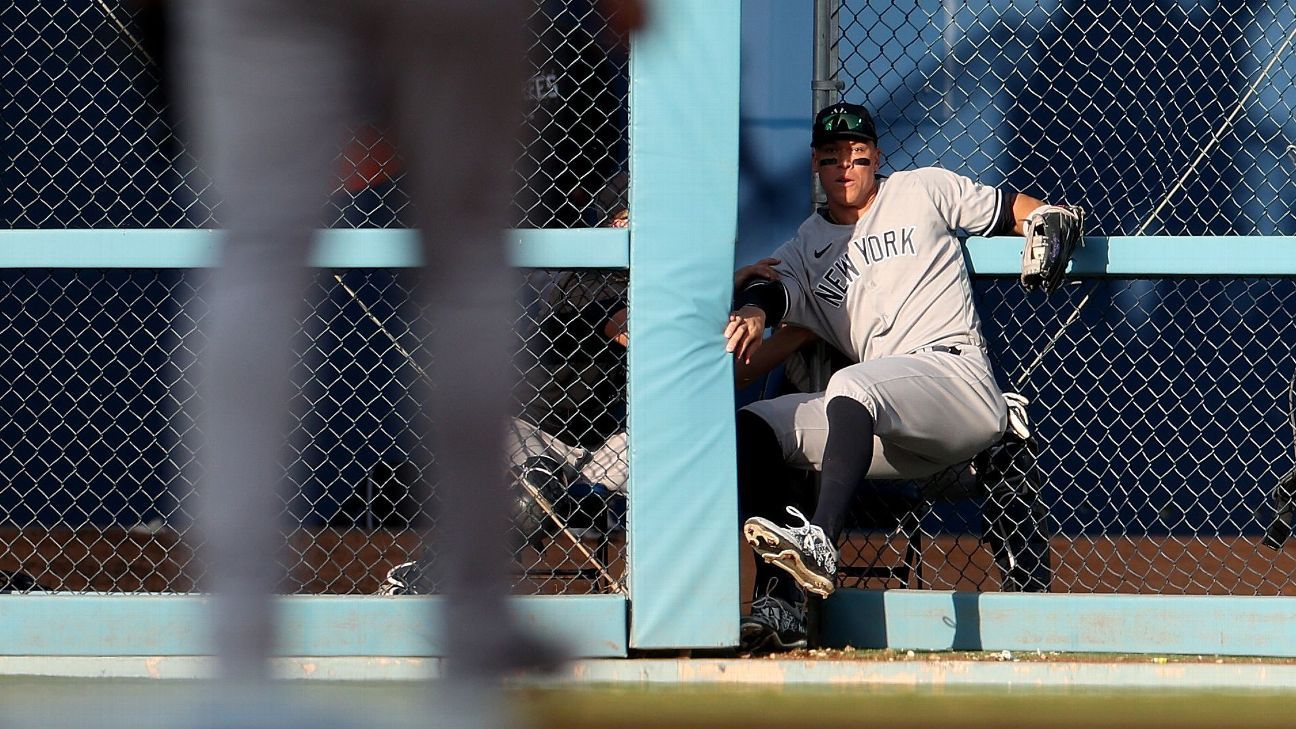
(270, 86)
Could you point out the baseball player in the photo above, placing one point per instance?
(879, 274)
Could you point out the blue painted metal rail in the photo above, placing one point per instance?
(335, 248)
(611, 248)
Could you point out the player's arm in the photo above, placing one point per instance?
(782, 343)
(760, 303)
(764, 268)
(1022, 206)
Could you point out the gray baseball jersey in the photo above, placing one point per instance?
(895, 281)
(885, 291)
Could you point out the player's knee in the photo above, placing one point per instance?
(980, 433)
(840, 386)
(850, 414)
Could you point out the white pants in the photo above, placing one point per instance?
(606, 464)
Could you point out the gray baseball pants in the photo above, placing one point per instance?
(270, 85)
(931, 410)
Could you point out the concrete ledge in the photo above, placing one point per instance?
(1060, 674)
(738, 671)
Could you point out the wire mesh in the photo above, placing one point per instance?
(91, 132)
(99, 403)
(1161, 429)
(1105, 105)
(99, 412)
(1160, 424)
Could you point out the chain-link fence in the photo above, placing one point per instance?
(98, 405)
(91, 142)
(1139, 112)
(1160, 425)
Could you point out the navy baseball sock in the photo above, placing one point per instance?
(765, 490)
(847, 456)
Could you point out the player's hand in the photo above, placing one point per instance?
(745, 332)
(764, 268)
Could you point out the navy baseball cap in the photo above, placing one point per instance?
(843, 121)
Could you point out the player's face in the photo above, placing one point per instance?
(846, 170)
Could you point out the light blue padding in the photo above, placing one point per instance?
(342, 625)
(683, 202)
(937, 620)
(336, 248)
(609, 248)
(1151, 256)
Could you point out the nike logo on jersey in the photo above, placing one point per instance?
(819, 253)
(834, 282)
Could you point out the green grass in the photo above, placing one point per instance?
(133, 701)
(895, 707)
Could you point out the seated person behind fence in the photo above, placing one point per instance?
(572, 391)
(879, 274)
(569, 437)
(572, 427)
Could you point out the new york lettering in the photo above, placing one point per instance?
(834, 283)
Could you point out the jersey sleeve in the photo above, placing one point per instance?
(964, 203)
(793, 275)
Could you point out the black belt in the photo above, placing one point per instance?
(940, 348)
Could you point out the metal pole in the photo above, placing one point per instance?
(825, 87)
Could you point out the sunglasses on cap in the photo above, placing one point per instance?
(844, 121)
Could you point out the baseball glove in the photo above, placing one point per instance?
(1053, 232)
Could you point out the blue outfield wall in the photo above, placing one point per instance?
(335, 248)
(38, 624)
(934, 620)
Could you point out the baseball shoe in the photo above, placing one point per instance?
(774, 625)
(401, 580)
(803, 552)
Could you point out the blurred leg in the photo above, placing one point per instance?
(456, 74)
(263, 81)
